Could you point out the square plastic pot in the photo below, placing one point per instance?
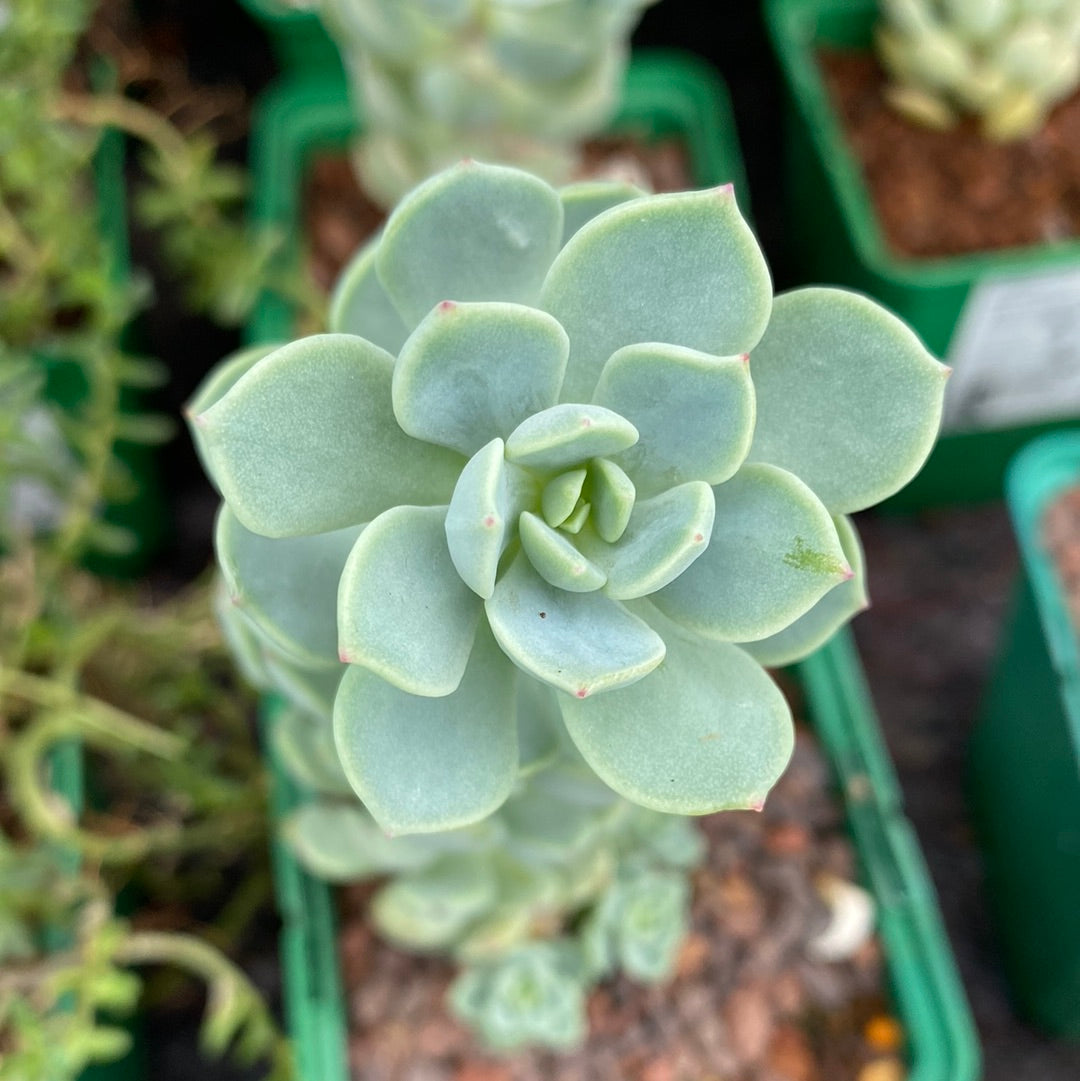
(954, 303)
(1025, 759)
(665, 95)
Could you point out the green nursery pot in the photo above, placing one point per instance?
(664, 95)
(962, 306)
(298, 38)
(1026, 759)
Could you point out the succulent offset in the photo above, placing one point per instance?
(499, 80)
(516, 539)
(1008, 62)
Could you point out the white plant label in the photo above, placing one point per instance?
(1015, 353)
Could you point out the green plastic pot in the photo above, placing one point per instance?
(835, 237)
(665, 94)
(1025, 759)
(928, 998)
(298, 38)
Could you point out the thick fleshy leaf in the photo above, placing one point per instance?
(583, 202)
(817, 626)
(561, 495)
(246, 645)
(309, 689)
(568, 434)
(488, 497)
(694, 413)
(774, 553)
(582, 643)
(683, 269)
(556, 558)
(306, 441)
(305, 748)
(221, 379)
(427, 764)
(613, 495)
(506, 229)
(403, 610)
(848, 398)
(339, 842)
(360, 305)
(539, 725)
(577, 520)
(707, 731)
(664, 536)
(473, 371)
(286, 586)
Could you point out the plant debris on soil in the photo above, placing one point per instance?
(339, 217)
(1061, 536)
(748, 1002)
(939, 193)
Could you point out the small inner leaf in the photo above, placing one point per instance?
(664, 536)
(555, 558)
(577, 520)
(560, 496)
(565, 435)
(613, 495)
(483, 510)
(581, 643)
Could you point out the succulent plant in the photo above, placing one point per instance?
(1008, 62)
(499, 80)
(515, 540)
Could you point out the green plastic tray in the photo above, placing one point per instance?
(941, 1042)
(1025, 760)
(835, 237)
(298, 38)
(664, 94)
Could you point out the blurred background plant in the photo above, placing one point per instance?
(99, 679)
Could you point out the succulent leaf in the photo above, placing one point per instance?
(403, 611)
(567, 434)
(581, 643)
(472, 371)
(359, 304)
(305, 747)
(707, 731)
(817, 626)
(774, 553)
(287, 587)
(555, 558)
(317, 408)
(848, 398)
(683, 269)
(613, 495)
(561, 495)
(507, 229)
(694, 413)
(422, 765)
(339, 842)
(583, 201)
(482, 516)
(663, 537)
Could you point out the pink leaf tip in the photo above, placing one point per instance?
(725, 191)
(757, 805)
(847, 573)
(343, 656)
(446, 305)
(745, 358)
(582, 692)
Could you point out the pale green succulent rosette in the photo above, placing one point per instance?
(498, 80)
(1008, 62)
(613, 470)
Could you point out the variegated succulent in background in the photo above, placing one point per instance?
(500, 80)
(516, 538)
(1008, 62)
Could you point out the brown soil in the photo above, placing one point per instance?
(339, 217)
(748, 1003)
(1061, 536)
(945, 193)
